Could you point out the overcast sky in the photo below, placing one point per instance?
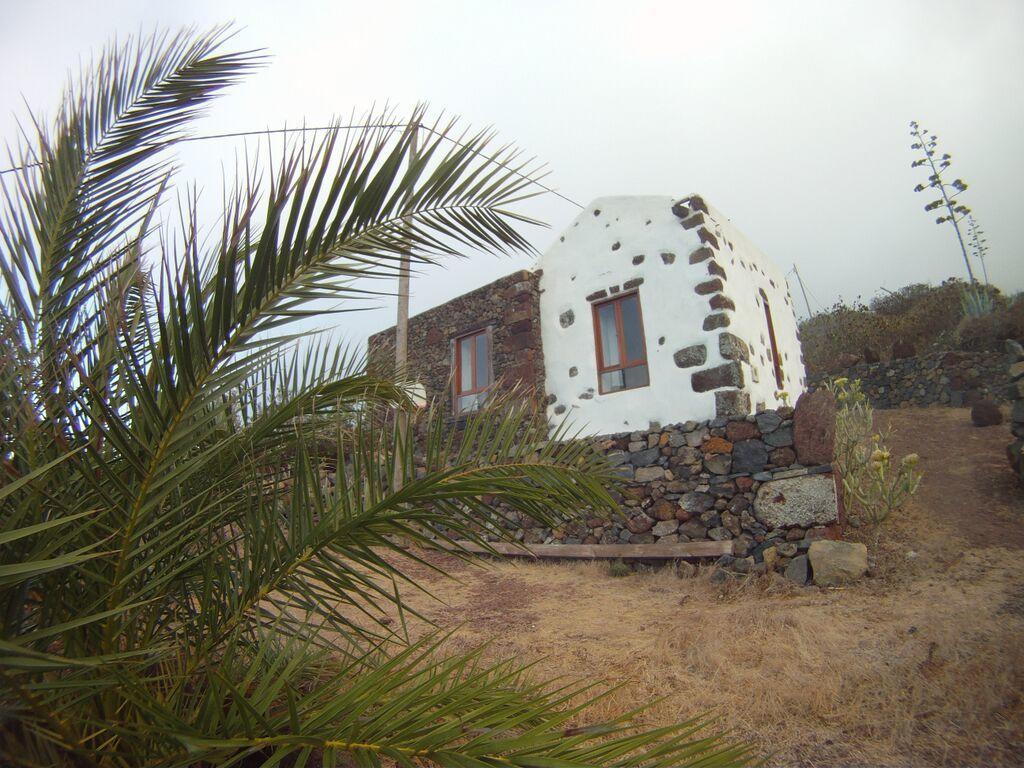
(790, 117)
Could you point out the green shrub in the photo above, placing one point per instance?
(874, 483)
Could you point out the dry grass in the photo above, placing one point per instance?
(922, 664)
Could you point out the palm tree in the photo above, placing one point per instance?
(178, 584)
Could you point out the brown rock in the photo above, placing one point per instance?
(741, 430)
(782, 457)
(985, 413)
(727, 375)
(639, 524)
(663, 509)
(716, 445)
(814, 427)
(744, 483)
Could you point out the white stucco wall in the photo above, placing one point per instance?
(596, 253)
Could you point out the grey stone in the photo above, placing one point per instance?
(767, 421)
(693, 529)
(796, 570)
(574, 371)
(779, 438)
(665, 527)
(834, 563)
(696, 502)
(749, 456)
(797, 501)
(649, 474)
(719, 534)
(615, 458)
(687, 357)
(732, 347)
(730, 403)
(726, 375)
(567, 318)
(645, 458)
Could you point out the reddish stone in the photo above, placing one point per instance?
(521, 326)
(663, 509)
(985, 413)
(639, 524)
(709, 286)
(814, 428)
(716, 445)
(721, 301)
(741, 430)
(434, 336)
(744, 484)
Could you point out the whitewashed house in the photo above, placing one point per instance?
(646, 309)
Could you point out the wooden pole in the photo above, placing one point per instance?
(402, 333)
(802, 289)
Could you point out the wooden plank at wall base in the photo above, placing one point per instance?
(603, 551)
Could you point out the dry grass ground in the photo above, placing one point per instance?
(920, 665)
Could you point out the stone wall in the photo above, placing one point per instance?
(953, 379)
(1015, 450)
(509, 307)
(764, 482)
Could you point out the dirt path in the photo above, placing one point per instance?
(973, 493)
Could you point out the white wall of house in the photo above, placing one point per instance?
(600, 251)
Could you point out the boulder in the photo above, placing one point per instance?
(985, 413)
(814, 427)
(796, 570)
(835, 563)
(804, 501)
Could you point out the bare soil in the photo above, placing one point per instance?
(921, 664)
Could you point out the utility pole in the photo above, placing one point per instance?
(402, 327)
(802, 289)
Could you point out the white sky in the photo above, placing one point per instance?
(790, 117)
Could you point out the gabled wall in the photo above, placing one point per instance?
(698, 280)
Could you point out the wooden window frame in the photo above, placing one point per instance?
(780, 380)
(456, 359)
(624, 363)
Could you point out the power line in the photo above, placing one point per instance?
(357, 126)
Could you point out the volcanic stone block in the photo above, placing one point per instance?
(687, 357)
(834, 563)
(717, 320)
(804, 502)
(709, 286)
(732, 347)
(700, 255)
(814, 427)
(731, 402)
(567, 318)
(749, 456)
(726, 375)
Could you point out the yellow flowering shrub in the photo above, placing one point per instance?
(874, 483)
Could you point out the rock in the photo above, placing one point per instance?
(640, 524)
(687, 357)
(719, 576)
(768, 421)
(727, 375)
(719, 534)
(718, 464)
(665, 527)
(732, 347)
(870, 356)
(796, 571)
(985, 413)
(693, 530)
(803, 501)
(663, 509)
(780, 438)
(814, 427)
(741, 430)
(649, 474)
(786, 548)
(644, 458)
(716, 445)
(835, 563)
(749, 456)
(695, 502)
(771, 556)
(641, 538)
(782, 457)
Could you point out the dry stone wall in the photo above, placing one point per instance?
(729, 479)
(1015, 450)
(954, 379)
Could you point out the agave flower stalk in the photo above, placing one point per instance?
(955, 211)
(979, 243)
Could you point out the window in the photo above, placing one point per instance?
(776, 359)
(472, 355)
(621, 351)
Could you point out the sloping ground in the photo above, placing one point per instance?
(920, 665)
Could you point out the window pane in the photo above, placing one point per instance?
(465, 364)
(609, 335)
(636, 377)
(632, 330)
(612, 381)
(468, 403)
(482, 379)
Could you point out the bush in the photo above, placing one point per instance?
(617, 569)
(873, 482)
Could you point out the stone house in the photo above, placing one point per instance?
(645, 310)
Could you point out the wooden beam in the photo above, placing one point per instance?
(601, 551)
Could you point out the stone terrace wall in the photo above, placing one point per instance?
(510, 307)
(764, 482)
(1015, 450)
(940, 378)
